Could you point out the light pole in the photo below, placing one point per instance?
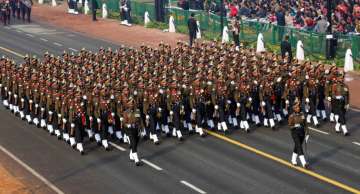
(221, 16)
(329, 13)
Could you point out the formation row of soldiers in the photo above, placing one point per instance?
(127, 92)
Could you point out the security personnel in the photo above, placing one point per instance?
(298, 131)
(94, 7)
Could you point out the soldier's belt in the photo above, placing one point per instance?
(129, 125)
(339, 97)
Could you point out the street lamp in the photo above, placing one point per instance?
(221, 16)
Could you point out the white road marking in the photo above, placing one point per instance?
(43, 39)
(356, 143)
(57, 44)
(32, 171)
(117, 147)
(19, 31)
(192, 187)
(71, 35)
(355, 109)
(73, 49)
(29, 35)
(7, 27)
(156, 167)
(317, 130)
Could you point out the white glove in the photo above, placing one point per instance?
(216, 107)
(171, 112)
(329, 99)
(121, 119)
(237, 104)
(250, 99)
(307, 138)
(287, 102)
(263, 103)
(160, 109)
(194, 110)
(307, 100)
(147, 117)
(228, 101)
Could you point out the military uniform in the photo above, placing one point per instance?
(311, 101)
(131, 124)
(340, 96)
(297, 124)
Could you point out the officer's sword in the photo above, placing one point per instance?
(307, 137)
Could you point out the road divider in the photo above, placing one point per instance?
(284, 162)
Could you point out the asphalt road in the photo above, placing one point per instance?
(198, 165)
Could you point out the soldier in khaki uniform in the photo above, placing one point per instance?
(131, 124)
(340, 96)
(298, 133)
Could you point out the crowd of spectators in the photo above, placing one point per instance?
(301, 14)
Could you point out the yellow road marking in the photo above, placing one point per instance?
(288, 164)
(12, 52)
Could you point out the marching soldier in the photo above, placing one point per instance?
(132, 123)
(151, 111)
(311, 97)
(80, 124)
(340, 96)
(266, 105)
(176, 111)
(298, 132)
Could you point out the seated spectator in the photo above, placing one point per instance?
(357, 26)
(261, 12)
(233, 10)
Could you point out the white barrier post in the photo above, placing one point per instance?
(260, 46)
(104, 11)
(300, 51)
(349, 63)
(171, 24)
(225, 35)
(146, 18)
(198, 33)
